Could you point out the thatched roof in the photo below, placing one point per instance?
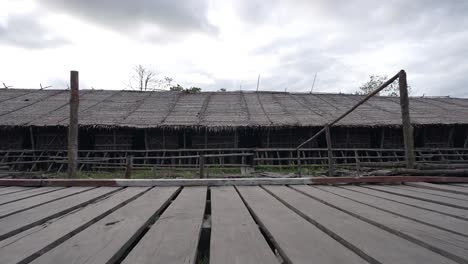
(107, 108)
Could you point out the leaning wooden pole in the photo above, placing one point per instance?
(405, 116)
(73, 126)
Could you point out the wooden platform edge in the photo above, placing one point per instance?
(227, 181)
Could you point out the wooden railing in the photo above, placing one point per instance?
(92, 160)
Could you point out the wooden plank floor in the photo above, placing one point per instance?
(417, 223)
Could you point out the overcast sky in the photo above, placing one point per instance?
(227, 43)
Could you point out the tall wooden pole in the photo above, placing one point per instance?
(330, 152)
(73, 126)
(405, 116)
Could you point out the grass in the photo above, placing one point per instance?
(191, 173)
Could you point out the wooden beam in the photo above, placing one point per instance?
(206, 138)
(128, 166)
(201, 163)
(382, 138)
(228, 181)
(146, 139)
(405, 116)
(31, 135)
(73, 126)
(376, 91)
(330, 152)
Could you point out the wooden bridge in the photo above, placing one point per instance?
(281, 221)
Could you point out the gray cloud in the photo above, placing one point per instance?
(172, 17)
(430, 35)
(26, 32)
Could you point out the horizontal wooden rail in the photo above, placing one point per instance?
(228, 181)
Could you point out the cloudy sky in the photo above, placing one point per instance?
(227, 43)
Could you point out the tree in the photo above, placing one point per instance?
(377, 80)
(178, 88)
(146, 79)
(222, 90)
(193, 90)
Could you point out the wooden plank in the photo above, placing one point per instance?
(31, 243)
(372, 243)
(441, 187)
(463, 204)
(176, 233)
(13, 189)
(26, 194)
(21, 221)
(297, 240)
(436, 193)
(235, 237)
(107, 240)
(437, 220)
(16, 207)
(445, 243)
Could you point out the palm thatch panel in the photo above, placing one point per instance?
(218, 110)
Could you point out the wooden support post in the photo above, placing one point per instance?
(201, 164)
(206, 138)
(163, 139)
(146, 140)
(73, 126)
(31, 135)
(299, 169)
(405, 116)
(236, 139)
(450, 138)
(128, 166)
(382, 138)
(330, 152)
(268, 138)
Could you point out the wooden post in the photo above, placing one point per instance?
(236, 139)
(405, 116)
(146, 140)
(299, 169)
(31, 135)
(73, 126)
(201, 164)
(382, 139)
(206, 138)
(329, 148)
(128, 166)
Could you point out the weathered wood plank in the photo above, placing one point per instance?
(8, 198)
(433, 192)
(21, 221)
(371, 242)
(16, 207)
(440, 241)
(175, 235)
(436, 203)
(297, 240)
(428, 217)
(441, 187)
(106, 240)
(9, 190)
(31, 243)
(235, 237)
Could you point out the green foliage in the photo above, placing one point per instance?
(179, 88)
(377, 80)
(176, 88)
(193, 90)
